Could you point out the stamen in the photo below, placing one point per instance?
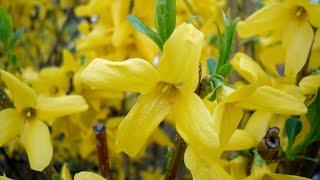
(29, 113)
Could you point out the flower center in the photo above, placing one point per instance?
(54, 90)
(167, 89)
(29, 113)
(300, 12)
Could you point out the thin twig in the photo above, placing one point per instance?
(177, 158)
(102, 150)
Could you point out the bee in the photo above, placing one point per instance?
(269, 146)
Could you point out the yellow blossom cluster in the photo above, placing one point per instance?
(159, 89)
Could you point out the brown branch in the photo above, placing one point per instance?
(102, 150)
(177, 158)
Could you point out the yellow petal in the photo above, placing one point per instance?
(271, 56)
(313, 10)
(37, 142)
(146, 46)
(277, 176)
(162, 138)
(306, 127)
(121, 34)
(240, 140)
(291, 89)
(269, 99)
(201, 170)
(88, 176)
(193, 123)
(11, 124)
(135, 75)
(310, 84)
(179, 62)
(297, 40)
(249, 69)
(270, 17)
(65, 173)
(22, 95)
(241, 93)
(225, 123)
(141, 121)
(257, 125)
(52, 107)
(239, 168)
(314, 60)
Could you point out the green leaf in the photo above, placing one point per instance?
(293, 127)
(165, 18)
(56, 177)
(143, 28)
(6, 27)
(313, 116)
(316, 72)
(313, 113)
(225, 40)
(257, 158)
(225, 70)
(211, 64)
(215, 83)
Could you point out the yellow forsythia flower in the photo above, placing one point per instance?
(27, 115)
(167, 89)
(295, 19)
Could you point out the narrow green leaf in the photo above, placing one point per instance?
(6, 27)
(225, 70)
(211, 64)
(225, 40)
(293, 127)
(165, 18)
(314, 112)
(143, 28)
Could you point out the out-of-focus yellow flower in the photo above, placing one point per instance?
(4, 178)
(113, 37)
(151, 175)
(51, 82)
(295, 19)
(169, 88)
(84, 175)
(27, 115)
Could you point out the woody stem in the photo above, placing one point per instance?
(102, 150)
(180, 148)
